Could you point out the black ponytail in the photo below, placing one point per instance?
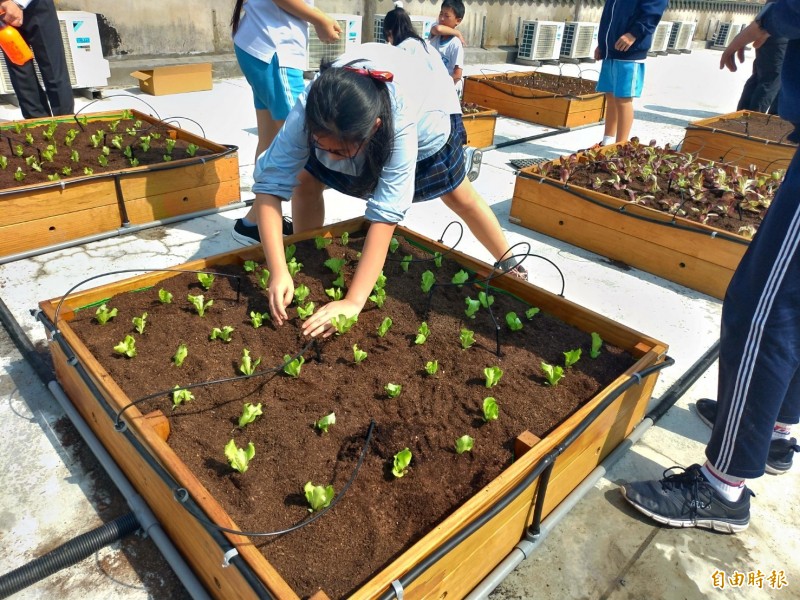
(397, 23)
(237, 13)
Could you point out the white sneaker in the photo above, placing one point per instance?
(473, 157)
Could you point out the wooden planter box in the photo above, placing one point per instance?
(535, 106)
(695, 255)
(480, 127)
(41, 215)
(711, 143)
(460, 569)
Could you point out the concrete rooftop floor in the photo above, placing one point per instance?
(53, 488)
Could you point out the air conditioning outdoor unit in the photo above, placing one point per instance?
(422, 25)
(680, 38)
(85, 63)
(540, 41)
(320, 52)
(661, 38)
(724, 34)
(580, 40)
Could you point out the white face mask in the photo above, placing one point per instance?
(348, 166)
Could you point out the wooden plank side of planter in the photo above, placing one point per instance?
(480, 128)
(701, 261)
(462, 568)
(729, 147)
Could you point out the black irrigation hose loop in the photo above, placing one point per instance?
(176, 120)
(129, 96)
(120, 426)
(542, 179)
(742, 155)
(787, 159)
(181, 495)
(441, 255)
(544, 463)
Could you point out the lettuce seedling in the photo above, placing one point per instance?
(199, 305)
(553, 373)
(205, 279)
(491, 411)
(318, 497)
(289, 252)
(103, 314)
(432, 367)
(192, 149)
(305, 311)
(249, 414)
(180, 355)
(428, 279)
(437, 259)
(460, 278)
(19, 174)
(359, 355)
(294, 267)
(378, 297)
(405, 261)
(263, 279)
(335, 265)
(127, 346)
(531, 312)
(257, 318)
(485, 299)
(571, 357)
(301, 292)
(322, 242)
(239, 458)
(401, 461)
(597, 344)
(250, 266)
(246, 365)
(393, 245)
(513, 322)
(473, 306)
(393, 389)
(223, 334)
(325, 422)
(345, 238)
(422, 334)
(179, 396)
(380, 282)
(343, 324)
(335, 293)
(492, 375)
(464, 444)
(339, 281)
(292, 367)
(467, 338)
(139, 323)
(384, 327)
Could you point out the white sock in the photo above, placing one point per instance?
(781, 431)
(608, 139)
(728, 487)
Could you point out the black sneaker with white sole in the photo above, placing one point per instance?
(247, 235)
(781, 451)
(687, 499)
(474, 158)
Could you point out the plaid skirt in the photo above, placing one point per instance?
(434, 176)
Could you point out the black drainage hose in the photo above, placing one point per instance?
(67, 554)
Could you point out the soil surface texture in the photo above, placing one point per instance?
(379, 515)
(73, 153)
(757, 125)
(560, 85)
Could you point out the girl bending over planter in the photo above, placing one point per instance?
(382, 125)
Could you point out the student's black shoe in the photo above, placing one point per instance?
(247, 235)
(781, 451)
(686, 499)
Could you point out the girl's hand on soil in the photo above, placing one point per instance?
(624, 42)
(280, 293)
(320, 322)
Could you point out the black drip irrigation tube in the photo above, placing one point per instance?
(68, 554)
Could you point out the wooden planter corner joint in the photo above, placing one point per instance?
(707, 140)
(535, 106)
(41, 215)
(451, 559)
(480, 127)
(687, 252)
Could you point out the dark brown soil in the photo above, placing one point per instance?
(758, 125)
(379, 516)
(63, 164)
(561, 85)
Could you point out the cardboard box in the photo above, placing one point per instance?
(175, 80)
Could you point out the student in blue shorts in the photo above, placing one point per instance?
(625, 36)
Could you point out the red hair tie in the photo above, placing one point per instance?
(385, 76)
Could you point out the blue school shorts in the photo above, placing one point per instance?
(275, 88)
(622, 78)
